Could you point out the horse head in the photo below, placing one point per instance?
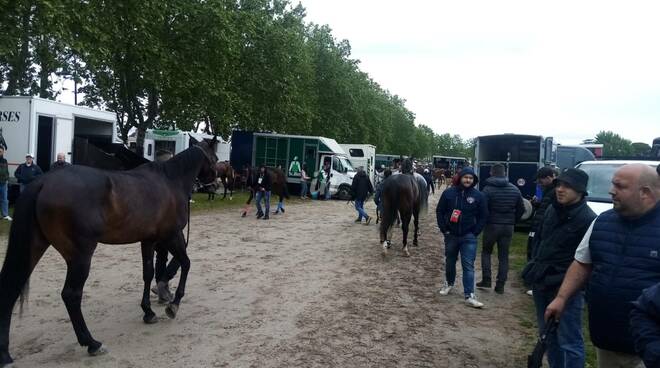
(208, 173)
(407, 166)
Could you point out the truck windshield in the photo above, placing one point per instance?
(346, 164)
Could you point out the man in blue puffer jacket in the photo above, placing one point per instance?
(618, 257)
(461, 213)
(645, 326)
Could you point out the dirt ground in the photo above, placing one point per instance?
(306, 289)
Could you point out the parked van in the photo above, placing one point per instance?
(174, 142)
(362, 155)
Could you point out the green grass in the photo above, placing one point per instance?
(526, 314)
(202, 204)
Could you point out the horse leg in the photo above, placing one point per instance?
(12, 281)
(224, 187)
(178, 250)
(405, 226)
(416, 223)
(147, 276)
(76, 276)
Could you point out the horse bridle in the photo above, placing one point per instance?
(210, 160)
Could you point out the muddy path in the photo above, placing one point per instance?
(306, 289)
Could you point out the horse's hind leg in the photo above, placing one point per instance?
(76, 276)
(405, 226)
(147, 276)
(416, 223)
(247, 204)
(178, 251)
(12, 280)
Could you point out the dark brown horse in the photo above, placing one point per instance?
(277, 179)
(227, 177)
(405, 195)
(75, 209)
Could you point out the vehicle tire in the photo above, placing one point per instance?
(529, 210)
(344, 193)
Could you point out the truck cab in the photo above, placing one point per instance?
(341, 175)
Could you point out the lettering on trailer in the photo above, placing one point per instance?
(10, 116)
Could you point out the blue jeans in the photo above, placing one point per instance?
(280, 206)
(4, 203)
(359, 207)
(303, 188)
(266, 197)
(327, 191)
(466, 245)
(565, 346)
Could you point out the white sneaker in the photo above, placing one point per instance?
(473, 302)
(530, 293)
(8, 218)
(445, 289)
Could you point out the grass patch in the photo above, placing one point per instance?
(526, 313)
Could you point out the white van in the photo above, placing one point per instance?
(600, 180)
(362, 155)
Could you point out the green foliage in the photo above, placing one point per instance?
(614, 144)
(640, 149)
(215, 65)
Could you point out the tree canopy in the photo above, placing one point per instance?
(215, 65)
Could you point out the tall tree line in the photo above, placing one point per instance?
(218, 65)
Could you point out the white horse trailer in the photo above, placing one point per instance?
(362, 155)
(45, 128)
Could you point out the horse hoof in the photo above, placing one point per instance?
(150, 319)
(97, 351)
(415, 244)
(171, 310)
(384, 252)
(5, 359)
(406, 253)
(244, 214)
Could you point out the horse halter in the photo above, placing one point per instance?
(211, 162)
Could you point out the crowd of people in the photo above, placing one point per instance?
(614, 256)
(25, 173)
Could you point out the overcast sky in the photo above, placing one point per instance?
(566, 69)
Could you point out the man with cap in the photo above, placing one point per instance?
(545, 195)
(565, 222)
(618, 257)
(26, 172)
(461, 214)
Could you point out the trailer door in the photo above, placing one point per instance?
(64, 138)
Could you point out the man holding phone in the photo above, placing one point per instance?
(461, 214)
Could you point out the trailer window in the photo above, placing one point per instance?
(347, 164)
(356, 152)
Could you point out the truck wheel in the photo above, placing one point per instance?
(529, 210)
(344, 193)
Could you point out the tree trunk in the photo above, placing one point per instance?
(18, 80)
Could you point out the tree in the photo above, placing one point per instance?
(614, 144)
(640, 149)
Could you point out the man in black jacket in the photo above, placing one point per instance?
(26, 172)
(505, 206)
(263, 186)
(361, 188)
(564, 225)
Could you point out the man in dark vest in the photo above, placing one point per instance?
(565, 222)
(617, 259)
(505, 206)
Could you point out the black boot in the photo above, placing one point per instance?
(499, 287)
(485, 283)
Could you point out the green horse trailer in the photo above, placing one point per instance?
(289, 152)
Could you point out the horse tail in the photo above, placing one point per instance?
(423, 199)
(389, 212)
(17, 266)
